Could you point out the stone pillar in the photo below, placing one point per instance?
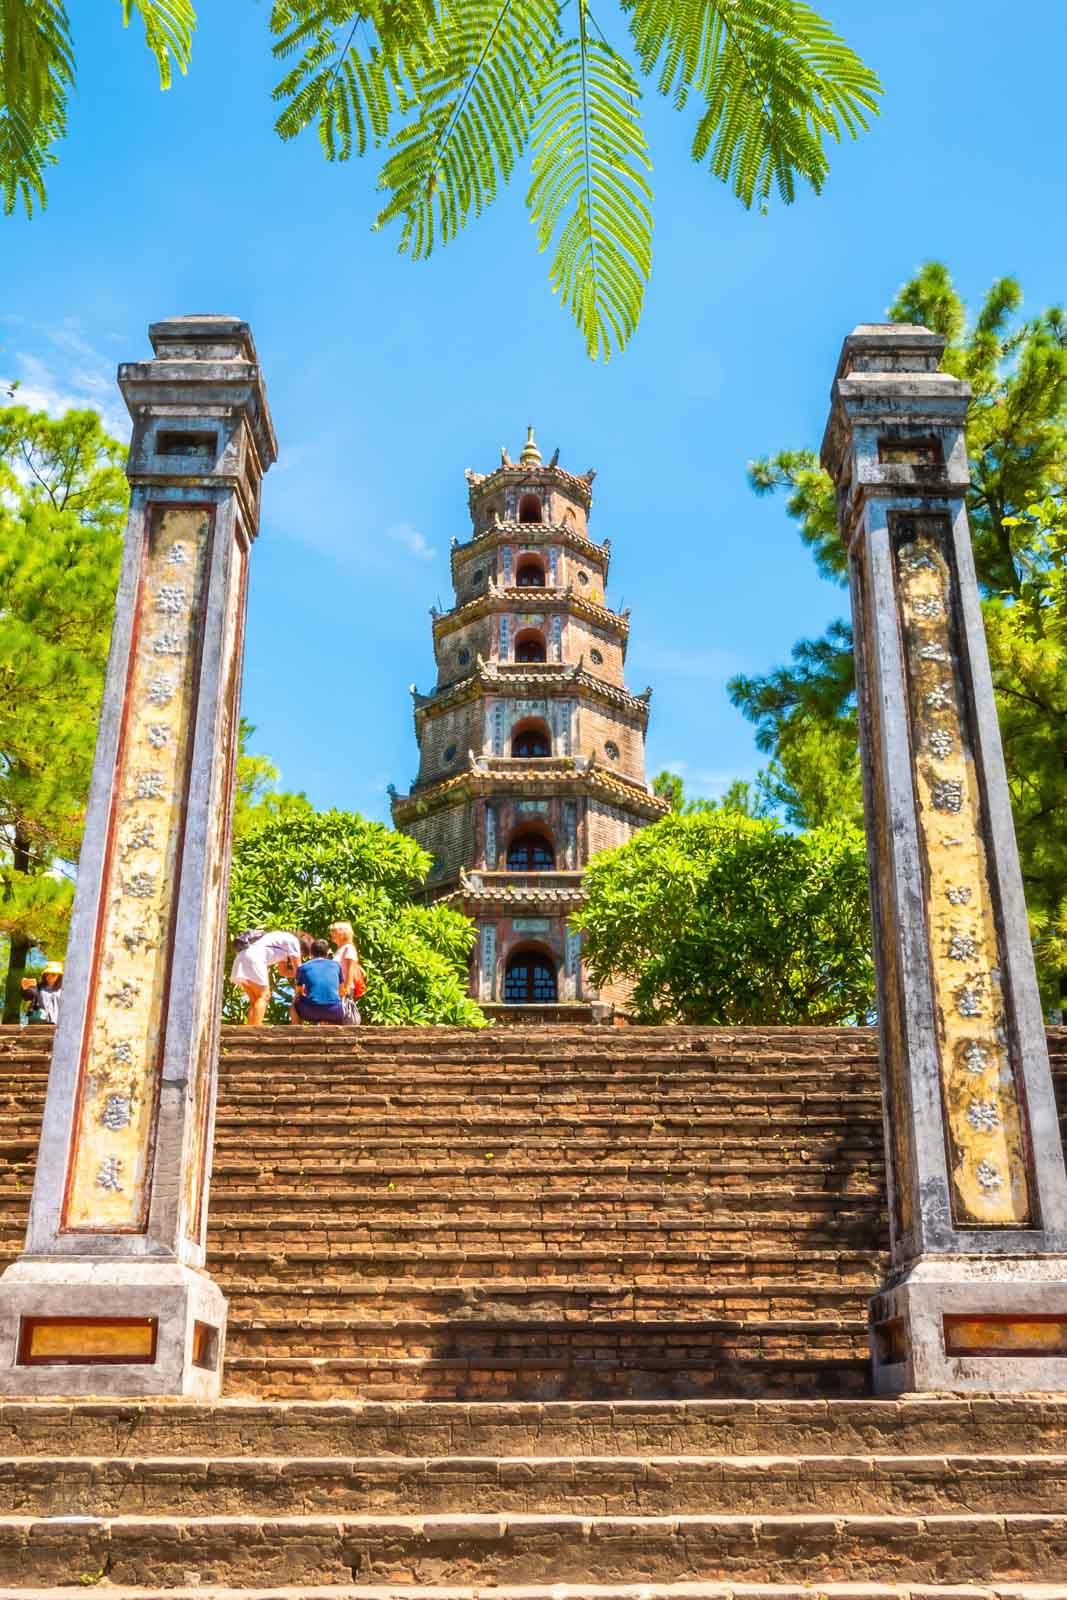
(976, 1297)
(110, 1295)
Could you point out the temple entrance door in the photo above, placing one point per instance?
(530, 979)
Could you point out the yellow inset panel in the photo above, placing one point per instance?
(1019, 1336)
(986, 1146)
(72, 1339)
(108, 1183)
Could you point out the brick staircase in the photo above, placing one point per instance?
(531, 1308)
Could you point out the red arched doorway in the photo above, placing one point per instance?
(530, 979)
(531, 852)
(531, 739)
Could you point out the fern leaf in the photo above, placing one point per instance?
(473, 109)
(589, 185)
(169, 26)
(355, 57)
(775, 79)
(36, 73)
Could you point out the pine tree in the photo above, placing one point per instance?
(62, 509)
(805, 714)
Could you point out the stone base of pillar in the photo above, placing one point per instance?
(121, 1329)
(972, 1325)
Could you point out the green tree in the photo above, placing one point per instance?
(62, 509)
(805, 714)
(727, 919)
(456, 93)
(257, 799)
(306, 872)
(740, 796)
(37, 76)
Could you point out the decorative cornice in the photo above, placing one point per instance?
(496, 601)
(553, 679)
(490, 775)
(545, 476)
(531, 533)
(472, 893)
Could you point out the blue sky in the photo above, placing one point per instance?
(388, 378)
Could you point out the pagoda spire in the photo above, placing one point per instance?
(531, 455)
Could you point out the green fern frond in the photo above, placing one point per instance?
(589, 183)
(169, 26)
(474, 108)
(36, 72)
(356, 57)
(775, 79)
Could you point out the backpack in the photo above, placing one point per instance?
(243, 940)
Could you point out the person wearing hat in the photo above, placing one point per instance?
(49, 990)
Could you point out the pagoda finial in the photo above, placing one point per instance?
(531, 455)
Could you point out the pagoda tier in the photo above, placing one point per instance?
(531, 747)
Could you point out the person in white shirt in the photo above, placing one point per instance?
(251, 968)
(344, 953)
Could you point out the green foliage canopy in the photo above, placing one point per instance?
(456, 93)
(805, 713)
(728, 919)
(37, 75)
(305, 872)
(62, 510)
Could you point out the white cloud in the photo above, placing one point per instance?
(414, 542)
(43, 387)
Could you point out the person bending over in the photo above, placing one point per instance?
(318, 988)
(251, 967)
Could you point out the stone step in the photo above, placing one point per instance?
(335, 1089)
(770, 1251)
(264, 1486)
(571, 1591)
(428, 1297)
(625, 1203)
(531, 1548)
(693, 1232)
(861, 1174)
(1013, 1425)
(840, 1368)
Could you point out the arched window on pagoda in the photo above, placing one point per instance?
(531, 739)
(530, 508)
(530, 979)
(531, 852)
(530, 573)
(530, 646)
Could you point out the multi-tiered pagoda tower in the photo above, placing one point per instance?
(531, 747)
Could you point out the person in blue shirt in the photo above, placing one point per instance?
(318, 988)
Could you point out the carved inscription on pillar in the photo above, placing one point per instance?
(986, 1149)
(107, 1182)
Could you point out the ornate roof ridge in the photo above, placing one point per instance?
(480, 775)
(553, 674)
(534, 533)
(445, 621)
(481, 483)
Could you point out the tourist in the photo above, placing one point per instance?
(353, 979)
(318, 988)
(49, 991)
(252, 964)
(30, 997)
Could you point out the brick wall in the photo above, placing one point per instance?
(608, 826)
(597, 726)
(475, 638)
(448, 834)
(457, 731)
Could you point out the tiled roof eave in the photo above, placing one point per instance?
(561, 677)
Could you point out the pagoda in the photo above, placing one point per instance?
(531, 747)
